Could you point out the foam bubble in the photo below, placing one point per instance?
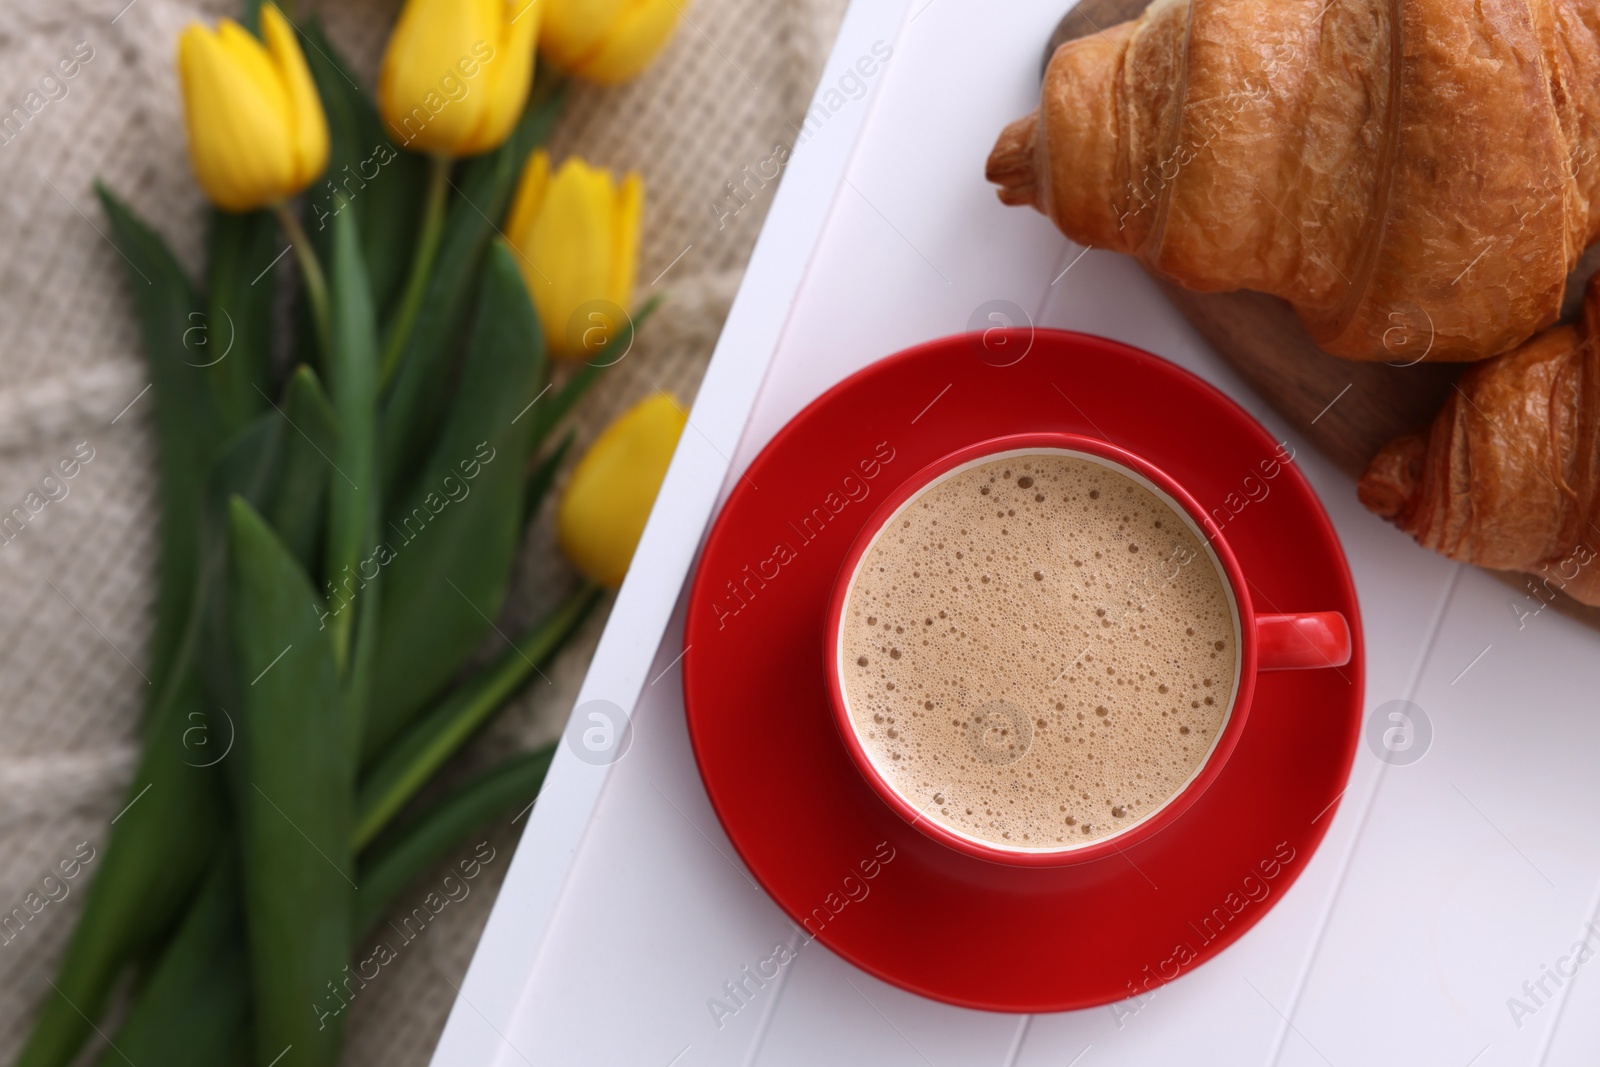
(1037, 651)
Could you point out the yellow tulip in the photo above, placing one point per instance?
(603, 511)
(577, 239)
(607, 41)
(456, 73)
(257, 133)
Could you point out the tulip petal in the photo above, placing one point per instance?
(528, 199)
(455, 75)
(572, 29)
(633, 40)
(570, 246)
(235, 110)
(431, 83)
(251, 61)
(577, 238)
(507, 78)
(625, 239)
(608, 499)
(308, 126)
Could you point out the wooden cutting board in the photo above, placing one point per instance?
(1347, 410)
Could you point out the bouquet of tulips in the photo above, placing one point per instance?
(338, 528)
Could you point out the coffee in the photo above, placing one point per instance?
(1037, 651)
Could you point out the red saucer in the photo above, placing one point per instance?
(851, 872)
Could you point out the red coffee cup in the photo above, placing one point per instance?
(1262, 643)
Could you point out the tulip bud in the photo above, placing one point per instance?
(577, 239)
(603, 511)
(257, 133)
(455, 75)
(607, 41)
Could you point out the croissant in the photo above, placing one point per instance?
(1508, 476)
(1410, 175)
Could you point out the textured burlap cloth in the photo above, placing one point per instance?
(77, 581)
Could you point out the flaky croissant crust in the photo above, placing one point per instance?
(1412, 176)
(1508, 476)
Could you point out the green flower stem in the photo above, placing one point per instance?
(421, 265)
(423, 843)
(547, 84)
(413, 758)
(546, 416)
(310, 270)
(417, 397)
(542, 477)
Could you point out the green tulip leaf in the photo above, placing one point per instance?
(194, 1008)
(188, 431)
(292, 792)
(450, 543)
(205, 967)
(414, 848)
(174, 809)
(417, 392)
(353, 492)
(172, 816)
(298, 503)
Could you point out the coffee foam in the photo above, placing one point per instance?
(1038, 651)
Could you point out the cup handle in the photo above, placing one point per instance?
(1298, 642)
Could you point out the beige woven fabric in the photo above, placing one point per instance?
(76, 584)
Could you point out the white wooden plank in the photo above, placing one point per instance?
(659, 914)
(1478, 864)
(1575, 1032)
(869, 1021)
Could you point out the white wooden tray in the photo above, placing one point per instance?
(1440, 922)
